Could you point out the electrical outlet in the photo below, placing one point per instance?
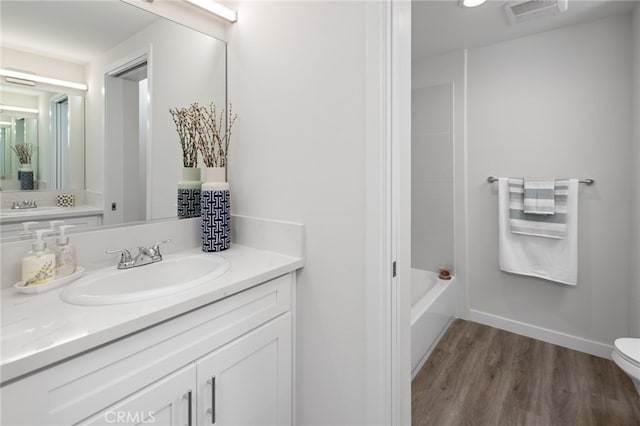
(113, 207)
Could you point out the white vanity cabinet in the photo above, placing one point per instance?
(167, 402)
(247, 382)
(227, 363)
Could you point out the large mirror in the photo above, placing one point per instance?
(114, 145)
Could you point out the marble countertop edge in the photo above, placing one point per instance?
(31, 340)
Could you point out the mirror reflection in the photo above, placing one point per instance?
(114, 147)
(48, 142)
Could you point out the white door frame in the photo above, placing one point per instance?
(388, 217)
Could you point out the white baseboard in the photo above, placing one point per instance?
(550, 336)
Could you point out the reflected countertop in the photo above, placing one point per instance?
(8, 215)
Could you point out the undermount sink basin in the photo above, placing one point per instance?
(171, 275)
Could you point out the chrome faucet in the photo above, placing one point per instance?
(146, 255)
(15, 205)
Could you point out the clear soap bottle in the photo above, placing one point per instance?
(39, 264)
(66, 261)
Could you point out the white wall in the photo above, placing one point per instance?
(555, 104)
(634, 299)
(297, 74)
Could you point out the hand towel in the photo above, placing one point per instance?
(551, 226)
(539, 196)
(551, 259)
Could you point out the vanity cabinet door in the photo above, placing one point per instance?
(171, 401)
(248, 381)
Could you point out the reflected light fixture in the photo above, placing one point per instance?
(471, 3)
(216, 8)
(19, 109)
(40, 79)
(20, 81)
(5, 123)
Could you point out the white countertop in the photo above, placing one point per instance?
(46, 212)
(38, 330)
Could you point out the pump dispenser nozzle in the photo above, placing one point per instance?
(54, 223)
(26, 233)
(38, 243)
(63, 238)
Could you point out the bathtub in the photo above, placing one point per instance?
(433, 308)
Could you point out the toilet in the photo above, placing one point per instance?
(627, 356)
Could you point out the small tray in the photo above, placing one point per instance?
(41, 288)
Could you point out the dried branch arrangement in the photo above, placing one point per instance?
(204, 129)
(186, 125)
(24, 152)
(214, 139)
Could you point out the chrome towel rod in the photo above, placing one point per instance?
(588, 181)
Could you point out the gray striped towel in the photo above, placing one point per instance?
(551, 226)
(539, 195)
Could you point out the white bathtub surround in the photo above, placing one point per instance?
(433, 308)
(42, 329)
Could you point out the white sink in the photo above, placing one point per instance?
(171, 275)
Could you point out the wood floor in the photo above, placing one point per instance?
(479, 375)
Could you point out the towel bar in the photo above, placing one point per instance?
(587, 181)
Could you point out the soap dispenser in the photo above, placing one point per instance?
(38, 266)
(66, 262)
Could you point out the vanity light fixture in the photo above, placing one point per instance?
(40, 79)
(471, 3)
(216, 8)
(19, 109)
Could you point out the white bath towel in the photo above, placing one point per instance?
(548, 258)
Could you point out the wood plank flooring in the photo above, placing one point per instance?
(479, 375)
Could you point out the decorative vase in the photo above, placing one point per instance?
(25, 176)
(215, 211)
(189, 193)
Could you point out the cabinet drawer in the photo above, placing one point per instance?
(75, 389)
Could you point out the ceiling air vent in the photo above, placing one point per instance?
(522, 11)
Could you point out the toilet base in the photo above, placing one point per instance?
(630, 370)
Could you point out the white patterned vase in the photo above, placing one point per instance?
(215, 210)
(189, 193)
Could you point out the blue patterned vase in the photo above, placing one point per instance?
(25, 176)
(215, 211)
(189, 193)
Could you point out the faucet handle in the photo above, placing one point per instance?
(125, 257)
(156, 247)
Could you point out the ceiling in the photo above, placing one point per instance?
(440, 26)
(74, 31)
